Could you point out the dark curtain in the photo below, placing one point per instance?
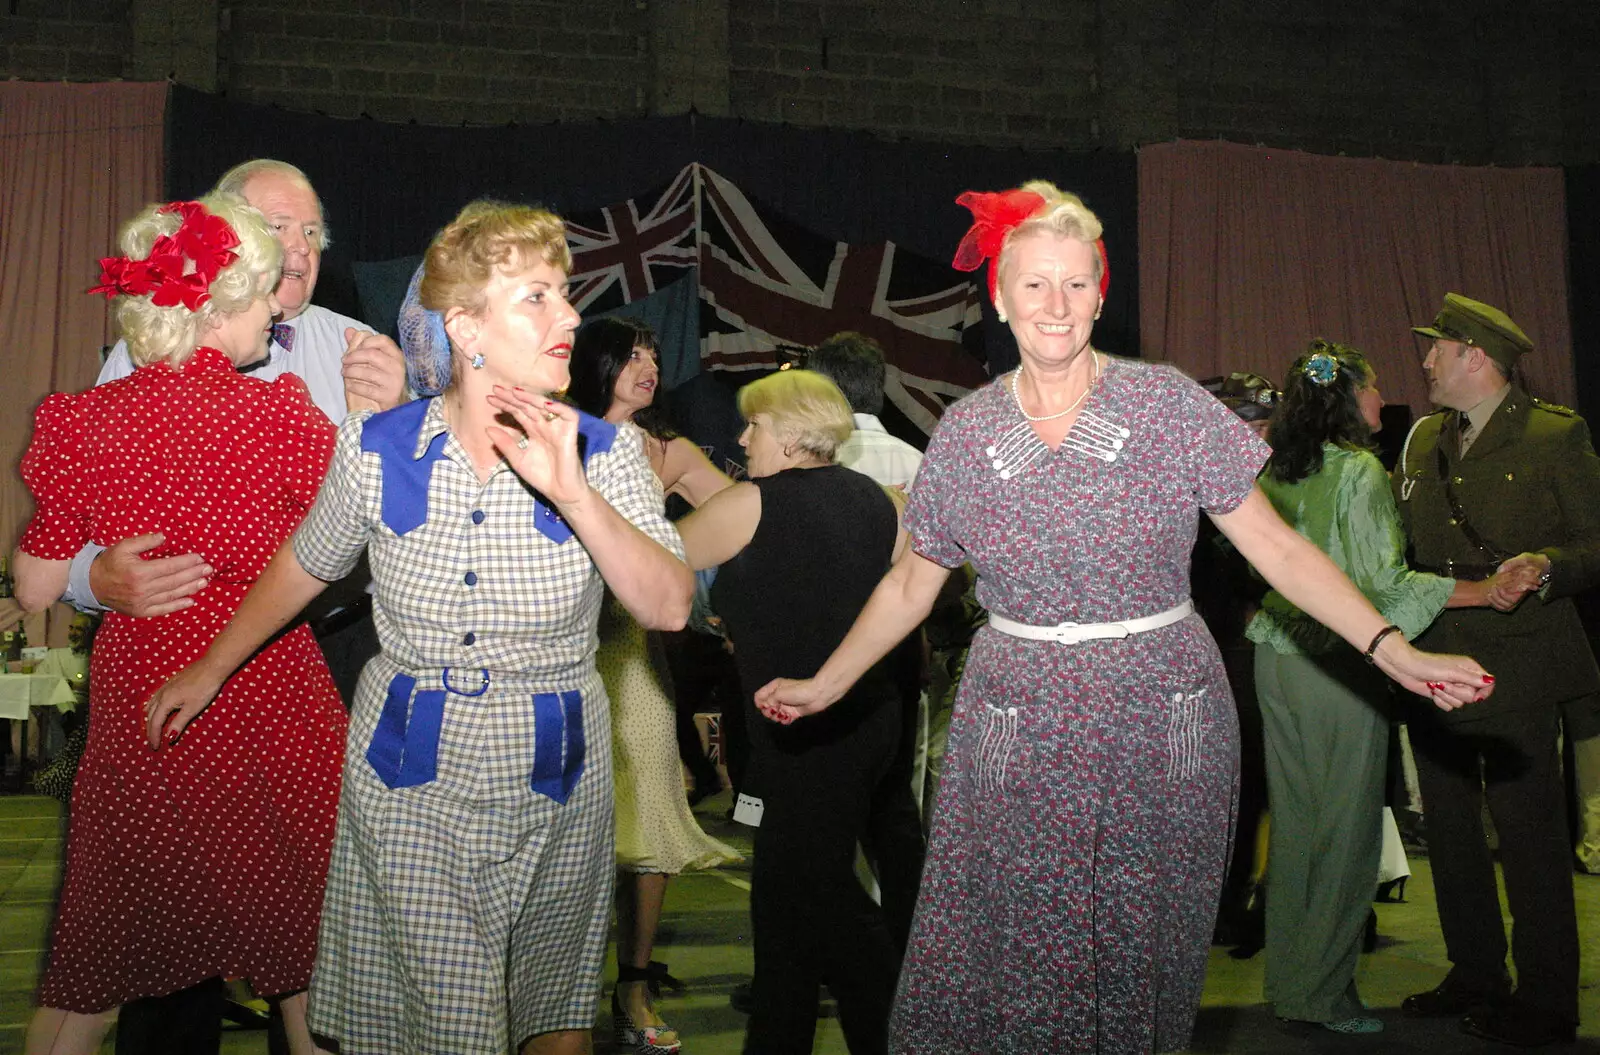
(1583, 282)
(386, 188)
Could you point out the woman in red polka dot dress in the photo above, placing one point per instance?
(207, 857)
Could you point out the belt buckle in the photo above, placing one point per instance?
(483, 683)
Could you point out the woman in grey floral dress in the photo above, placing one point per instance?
(1082, 828)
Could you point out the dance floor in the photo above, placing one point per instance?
(705, 937)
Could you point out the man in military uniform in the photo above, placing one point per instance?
(1498, 480)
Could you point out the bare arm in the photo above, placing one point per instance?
(1305, 576)
(685, 470)
(718, 530)
(36, 582)
(898, 606)
(283, 590)
(650, 581)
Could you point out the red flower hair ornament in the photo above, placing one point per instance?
(995, 215)
(180, 266)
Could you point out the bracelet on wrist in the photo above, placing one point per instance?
(1377, 639)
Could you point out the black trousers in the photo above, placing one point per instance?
(894, 841)
(347, 644)
(1515, 764)
(187, 1022)
(813, 923)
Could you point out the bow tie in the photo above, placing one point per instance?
(283, 333)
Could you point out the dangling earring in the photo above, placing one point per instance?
(1000, 314)
(477, 361)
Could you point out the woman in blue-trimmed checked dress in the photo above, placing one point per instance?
(470, 887)
(1082, 824)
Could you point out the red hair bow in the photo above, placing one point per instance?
(203, 239)
(994, 215)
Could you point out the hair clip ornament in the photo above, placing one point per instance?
(1322, 369)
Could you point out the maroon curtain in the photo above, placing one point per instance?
(76, 160)
(1246, 253)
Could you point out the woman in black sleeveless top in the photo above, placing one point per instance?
(801, 547)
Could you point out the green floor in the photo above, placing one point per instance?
(705, 938)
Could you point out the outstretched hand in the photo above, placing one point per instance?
(545, 452)
(1449, 681)
(177, 703)
(785, 699)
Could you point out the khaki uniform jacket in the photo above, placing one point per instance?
(1530, 482)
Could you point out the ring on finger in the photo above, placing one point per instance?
(522, 443)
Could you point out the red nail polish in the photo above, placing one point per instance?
(172, 737)
(1488, 679)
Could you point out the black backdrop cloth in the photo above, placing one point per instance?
(387, 188)
(1583, 284)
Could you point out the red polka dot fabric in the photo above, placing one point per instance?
(207, 857)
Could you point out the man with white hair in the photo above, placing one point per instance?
(345, 365)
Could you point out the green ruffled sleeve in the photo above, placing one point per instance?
(1347, 510)
(1376, 563)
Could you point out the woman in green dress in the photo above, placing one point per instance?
(1324, 708)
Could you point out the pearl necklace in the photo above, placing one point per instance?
(1017, 398)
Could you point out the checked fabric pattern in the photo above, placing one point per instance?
(470, 911)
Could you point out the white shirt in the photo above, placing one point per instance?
(871, 451)
(317, 358)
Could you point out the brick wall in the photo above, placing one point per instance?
(940, 69)
(1475, 81)
(441, 61)
(52, 40)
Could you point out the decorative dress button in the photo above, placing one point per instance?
(1510, 477)
(470, 638)
(1456, 481)
(477, 516)
(471, 578)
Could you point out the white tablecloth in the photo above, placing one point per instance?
(18, 692)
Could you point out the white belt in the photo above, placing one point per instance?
(1074, 633)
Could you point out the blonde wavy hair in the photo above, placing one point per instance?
(488, 236)
(170, 335)
(804, 407)
(1063, 214)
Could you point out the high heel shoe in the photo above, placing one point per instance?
(1392, 892)
(628, 1036)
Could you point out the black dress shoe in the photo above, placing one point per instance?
(1516, 1023)
(1451, 998)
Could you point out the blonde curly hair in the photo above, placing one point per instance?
(170, 335)
(1063, 214)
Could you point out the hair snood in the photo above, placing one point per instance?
(424, 342)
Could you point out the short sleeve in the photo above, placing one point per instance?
(305, 437)
(54, 468)
(329, 542)
(927, 515)
(623, 477)
(1221, 454)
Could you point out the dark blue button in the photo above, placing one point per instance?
(477, 516)
(470, 638)
(472, 578)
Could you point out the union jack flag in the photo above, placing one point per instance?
(765, 282)
(625, 252)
